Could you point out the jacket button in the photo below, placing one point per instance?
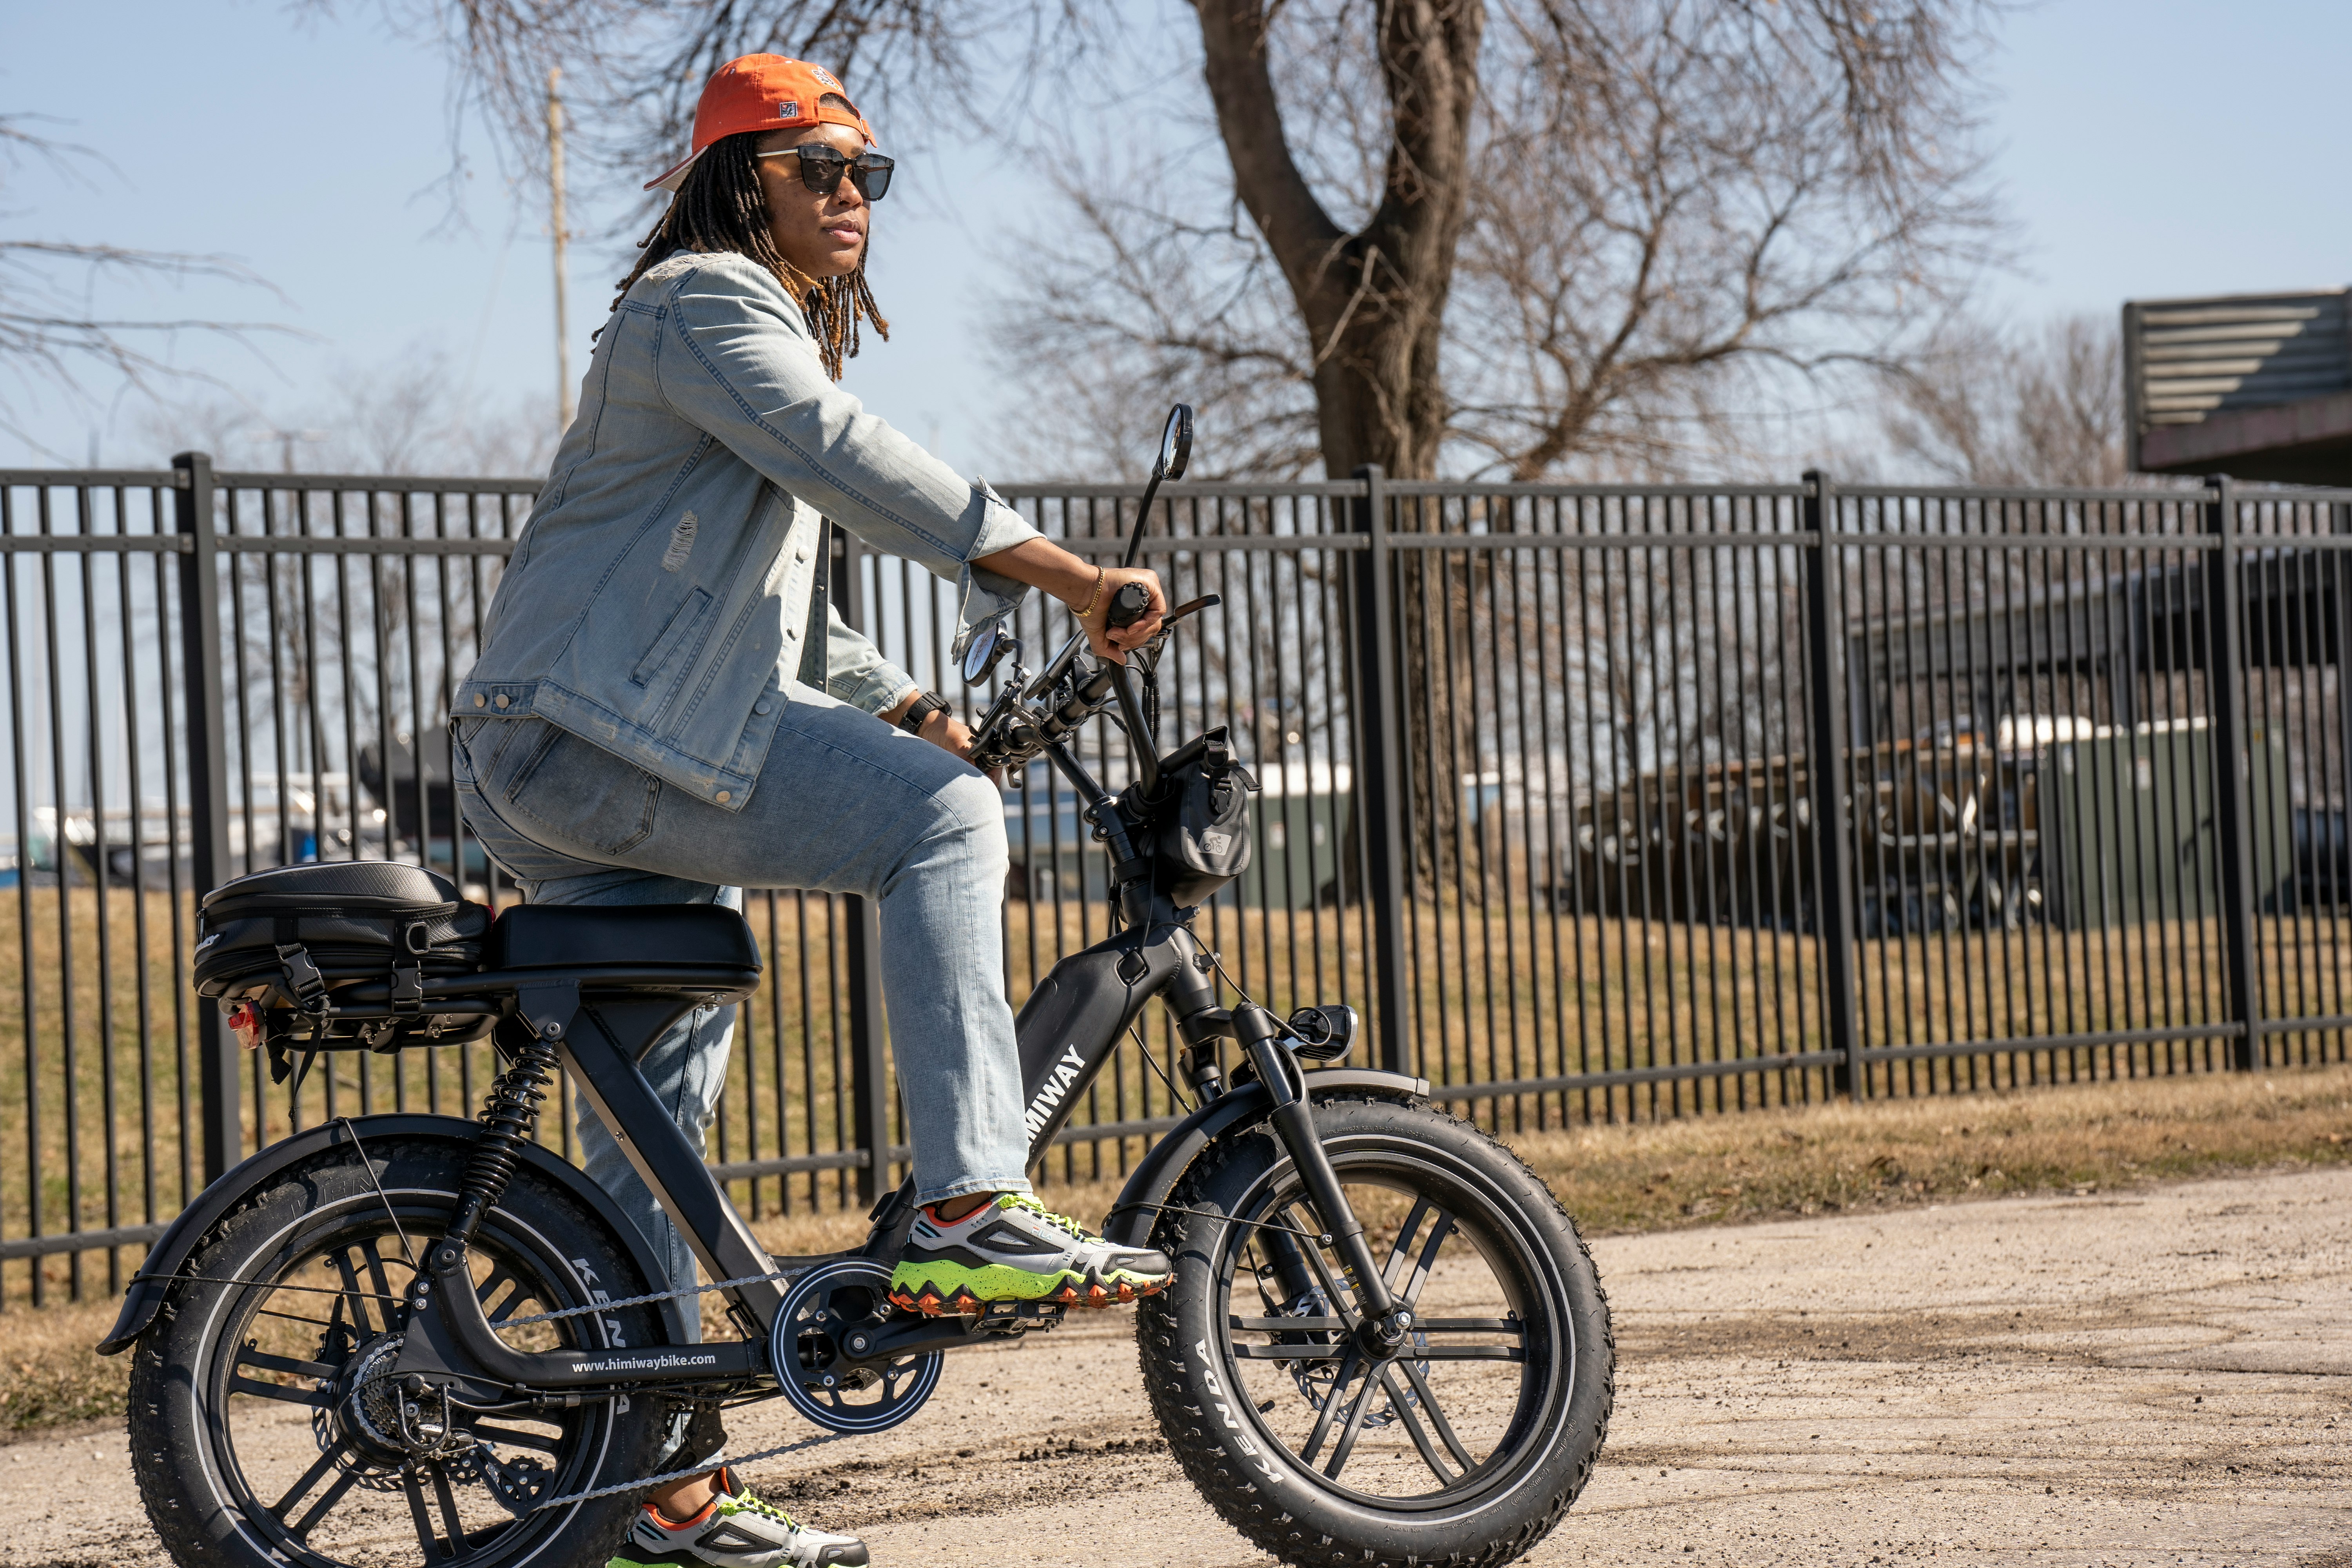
(479, 700)
(504, 699)
(722, 797)
(800, 556)
(763, 706)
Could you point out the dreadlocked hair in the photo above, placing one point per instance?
(720, 206)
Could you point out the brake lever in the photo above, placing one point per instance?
(1191, 606)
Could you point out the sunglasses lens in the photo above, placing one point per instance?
(820, 169)
(873, 178)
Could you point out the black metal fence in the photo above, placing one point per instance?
(1539, 772)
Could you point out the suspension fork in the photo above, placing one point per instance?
(1384, 1322)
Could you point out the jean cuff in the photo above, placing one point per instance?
(965, 1188)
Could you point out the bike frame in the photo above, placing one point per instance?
(1069, 1028)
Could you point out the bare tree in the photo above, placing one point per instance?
(1651, 214)
(1682, 210)
(52, 331)
(1988, 406)
(1534, 232)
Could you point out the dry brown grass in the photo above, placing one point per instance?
(1770, 1165)
(50, 1377)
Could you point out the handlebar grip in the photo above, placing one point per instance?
(1127, 605)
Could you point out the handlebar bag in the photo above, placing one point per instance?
(284, 936)
(1204, 833)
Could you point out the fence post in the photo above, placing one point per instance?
(861, 943)
(1825, 788)
(1378, 735)
(218, 1062)
(2225, 697)
(2340, 653)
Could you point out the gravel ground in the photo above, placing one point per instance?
(2159, 1377)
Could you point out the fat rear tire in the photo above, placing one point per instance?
(185, 1454)
(1225, 1445)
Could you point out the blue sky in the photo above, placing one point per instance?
(2146, 149)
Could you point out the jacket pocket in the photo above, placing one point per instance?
(682, 624)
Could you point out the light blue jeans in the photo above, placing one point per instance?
(845, 804)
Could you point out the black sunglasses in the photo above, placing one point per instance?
(821, 168)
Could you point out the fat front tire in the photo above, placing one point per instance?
(1465, 1449)
(251, 1443)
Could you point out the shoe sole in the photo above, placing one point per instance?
(1092, 1292)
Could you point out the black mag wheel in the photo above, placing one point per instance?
(267, 1426)
(1465, 1446)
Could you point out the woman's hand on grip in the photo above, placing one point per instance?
(1114, 643)
(1088, 589)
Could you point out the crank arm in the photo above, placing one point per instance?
(888, 1341)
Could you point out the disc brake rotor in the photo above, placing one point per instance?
(1316, 1379)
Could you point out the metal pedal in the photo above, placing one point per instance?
(1019, 1316)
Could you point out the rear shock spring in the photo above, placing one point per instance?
(509, 1112)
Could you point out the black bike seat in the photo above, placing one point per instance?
(637, 936)
(351, 882)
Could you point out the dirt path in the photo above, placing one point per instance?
(2155, 1377)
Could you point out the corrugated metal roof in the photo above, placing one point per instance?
(2189, 359)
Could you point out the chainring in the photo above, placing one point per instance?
(818, 1377)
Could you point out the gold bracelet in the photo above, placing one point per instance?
(1096, 597)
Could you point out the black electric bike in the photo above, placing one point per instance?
(398, 1337)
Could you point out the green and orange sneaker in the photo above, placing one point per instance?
(736, 1529)
(1015, 1249)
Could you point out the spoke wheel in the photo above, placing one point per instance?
(269, 1423)
(1466, 1442)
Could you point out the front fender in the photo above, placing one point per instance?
(1130, 1219)
(172, 1249)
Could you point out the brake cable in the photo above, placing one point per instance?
(1320, 1238)
(1175, 1095)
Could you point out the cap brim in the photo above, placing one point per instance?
(671, 181)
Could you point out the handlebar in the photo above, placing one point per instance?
(1012, 731)
(1127, 605)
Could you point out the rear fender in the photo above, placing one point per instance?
(172, 1249)
(1131, 1218)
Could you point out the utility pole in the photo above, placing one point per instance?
(285, 439)
(555, 195)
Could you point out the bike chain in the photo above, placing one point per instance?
(643, 1300)
(704, 1468)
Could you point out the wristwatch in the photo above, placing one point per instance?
(920, 709)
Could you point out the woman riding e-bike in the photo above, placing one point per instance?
(668, 709)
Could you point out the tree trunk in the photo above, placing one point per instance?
(1372, 301)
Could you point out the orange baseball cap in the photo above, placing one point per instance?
(762, 93)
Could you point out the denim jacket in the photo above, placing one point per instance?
(660, 598)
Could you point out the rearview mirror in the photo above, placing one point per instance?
(989, 645)
(1175, 444)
